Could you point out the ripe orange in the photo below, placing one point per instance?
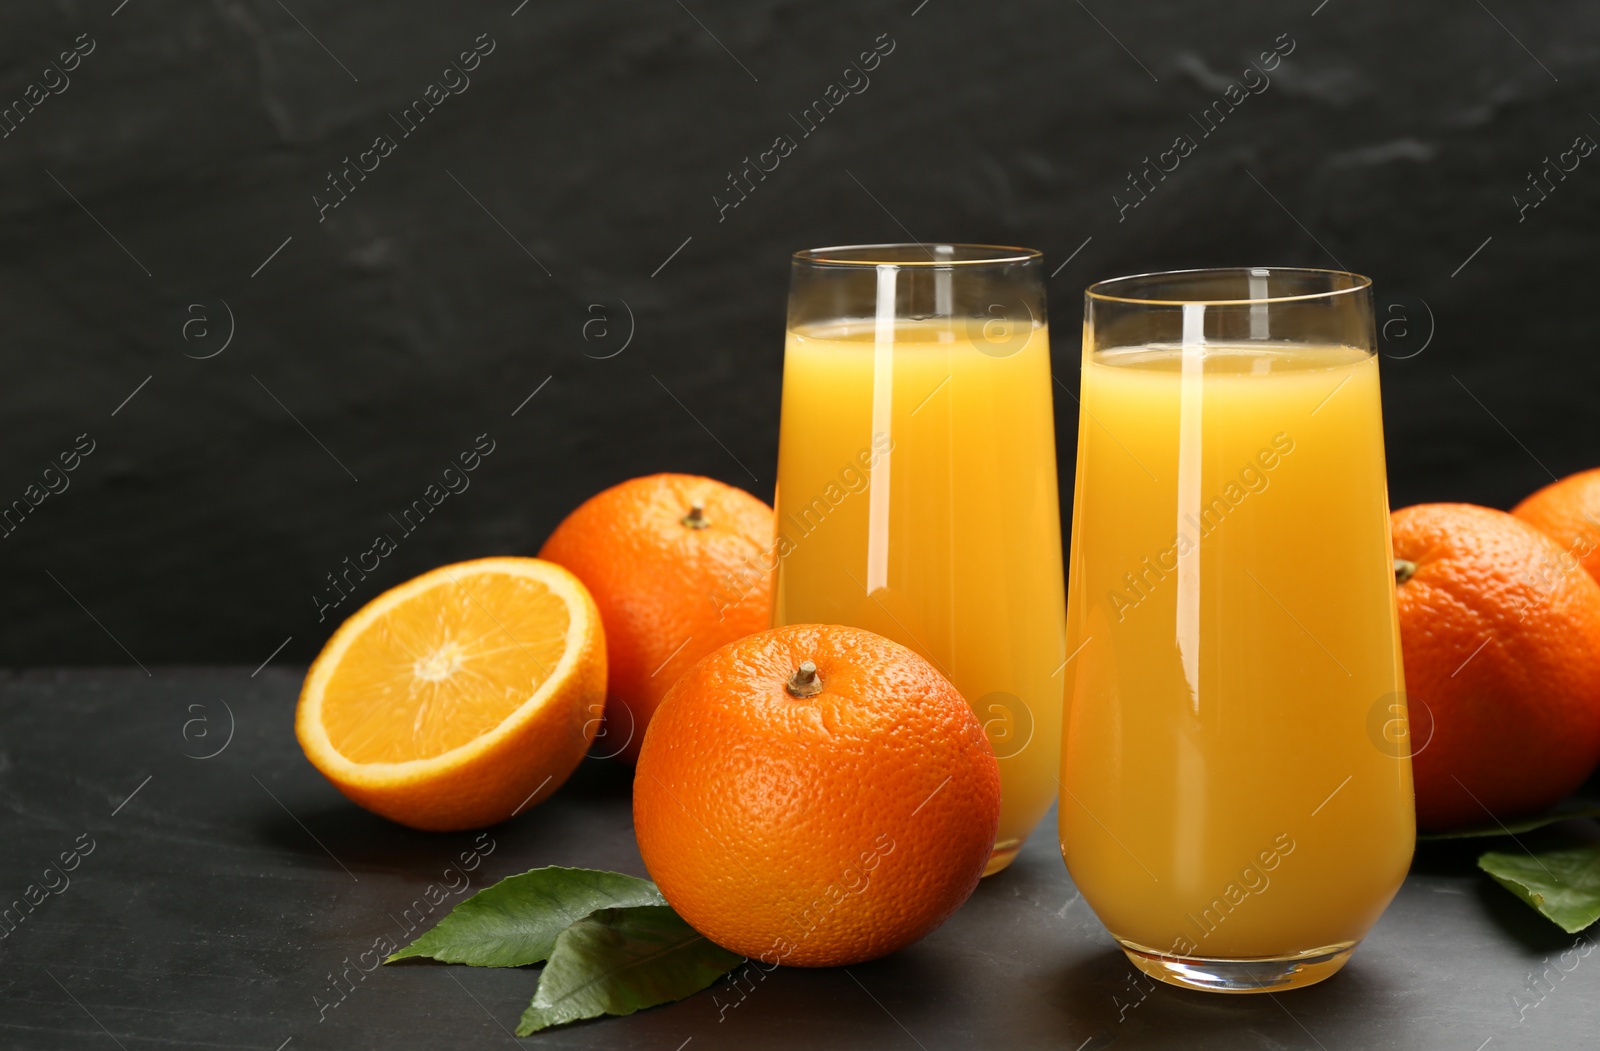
(1500, 631)
(678, 565)
(815, 795)
(460, 698)
(1569, 512)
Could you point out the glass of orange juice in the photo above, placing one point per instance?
(917, 483)
(1237, 803)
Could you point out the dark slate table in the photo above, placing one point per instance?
(226, 890)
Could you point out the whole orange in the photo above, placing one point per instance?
(679, 565)
(1500, 632)
(815, 795)
(1568, 511)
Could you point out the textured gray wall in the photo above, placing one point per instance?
(592, 143)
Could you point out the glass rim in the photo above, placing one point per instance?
(1358, 283)
(865, 256)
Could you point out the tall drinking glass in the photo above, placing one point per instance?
(1238, 805)
(917, 483)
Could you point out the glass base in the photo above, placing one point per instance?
(1250, 974)
(1004, 853)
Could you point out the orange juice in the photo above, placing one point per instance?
(1237, 782)
(917, 499)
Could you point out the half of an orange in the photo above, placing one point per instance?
(459, 698)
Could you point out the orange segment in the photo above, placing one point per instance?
(460, 697)
(441, 669)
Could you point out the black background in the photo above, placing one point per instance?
(459, 276)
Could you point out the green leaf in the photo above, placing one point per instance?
(516, 921)
(1562, 883)
(1511, 828)
(619, 960)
